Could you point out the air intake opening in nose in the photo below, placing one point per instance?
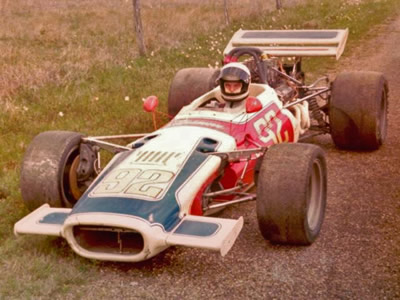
(106, 239)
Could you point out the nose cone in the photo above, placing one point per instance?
(113, 237)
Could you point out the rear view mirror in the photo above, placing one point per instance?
(150, 103)
(253, 105)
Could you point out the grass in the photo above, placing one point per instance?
(73, 66)
(42, 273)
(60, 41)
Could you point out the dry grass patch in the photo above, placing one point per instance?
(44, 41)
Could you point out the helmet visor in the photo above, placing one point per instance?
(234, 74)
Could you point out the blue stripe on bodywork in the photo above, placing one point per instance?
(165, 211)
(196, 228)
(54, 218)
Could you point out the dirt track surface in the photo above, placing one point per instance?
(357, 255)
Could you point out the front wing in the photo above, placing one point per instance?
(216, 234)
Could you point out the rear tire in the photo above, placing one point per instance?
(291, 193)
(189, 84)
(358, 110)
(48, 167)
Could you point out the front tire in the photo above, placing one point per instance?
(291, 193)
(48, 173)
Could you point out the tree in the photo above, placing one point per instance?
(138, 27)
(278, 4)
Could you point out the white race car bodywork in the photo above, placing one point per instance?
(156, 190)
(141, 203)
(144, 182)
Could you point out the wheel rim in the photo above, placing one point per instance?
(382, 119)
(315, 196)
(73, 179)
(69, 185)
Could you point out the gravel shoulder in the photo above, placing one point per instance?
(356, 256)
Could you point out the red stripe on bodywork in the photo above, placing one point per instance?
(269, 126)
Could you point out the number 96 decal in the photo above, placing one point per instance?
(134, 182)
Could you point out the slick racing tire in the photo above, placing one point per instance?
(48, 173)
(291, 193)
(189, 84)
(358, 110)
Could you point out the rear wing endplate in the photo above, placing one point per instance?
(299, 43)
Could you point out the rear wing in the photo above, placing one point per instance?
(299, 43)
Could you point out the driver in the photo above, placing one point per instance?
(234, 81)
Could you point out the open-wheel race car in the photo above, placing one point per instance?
(227, 134)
